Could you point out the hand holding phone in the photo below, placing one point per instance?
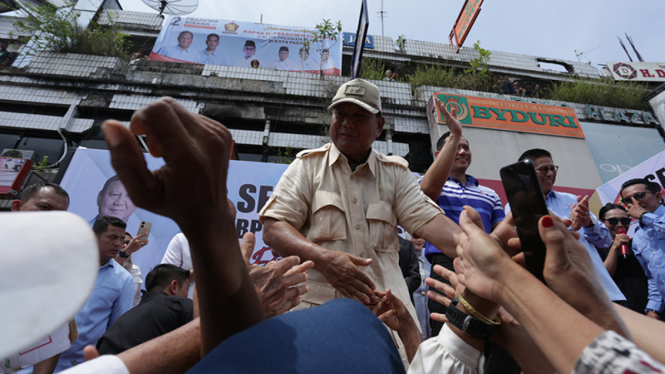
(144, 228)
(527, 203)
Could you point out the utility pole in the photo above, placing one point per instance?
(382, 14)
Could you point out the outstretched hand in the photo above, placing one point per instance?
(278, 284)
(343, 272)
(391, 311)
(448, 291)
(570, 273)
(481, 261)
(194, 148)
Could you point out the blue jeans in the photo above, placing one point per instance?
(341, 336)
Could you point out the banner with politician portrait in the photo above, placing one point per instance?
(95, 190)
(246, 44)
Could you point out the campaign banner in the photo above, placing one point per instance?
(93, 190)
(652, 169)
(510, 115)
(246, 44)
(638, 71)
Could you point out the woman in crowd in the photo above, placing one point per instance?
(626, 271)
(124, 258)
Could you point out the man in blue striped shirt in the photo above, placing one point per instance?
(447, 183)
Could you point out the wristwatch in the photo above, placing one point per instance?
(470, 325)
(123, 254)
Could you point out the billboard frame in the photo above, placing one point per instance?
(453, 34)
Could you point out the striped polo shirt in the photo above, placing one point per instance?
(454, 196)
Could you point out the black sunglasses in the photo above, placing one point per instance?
(638, 196)
(624, 221)
(544, 169)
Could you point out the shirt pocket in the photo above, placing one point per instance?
(328, 218)
(382, 227)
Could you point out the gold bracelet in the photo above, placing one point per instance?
(477, 314)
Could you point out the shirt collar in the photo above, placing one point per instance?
(335, 154)
(108, 263)
(469, 179)
(153, 294)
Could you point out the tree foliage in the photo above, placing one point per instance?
(605, 92)
(372, 68)
(58, 30)
(400, 42)
(478, 77)
(482, 76)
(324, 30)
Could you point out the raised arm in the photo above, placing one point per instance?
(194, 148)
(438, 172)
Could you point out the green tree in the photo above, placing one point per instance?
(372, 69)
(481, 75)
(41, 166)
(324, 30)
(400, 42)
(605, 92)
(57, 30)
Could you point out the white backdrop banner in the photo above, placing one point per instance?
(246, 44)
(250, 185)
(653, 169)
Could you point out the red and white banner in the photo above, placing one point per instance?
(638, 71)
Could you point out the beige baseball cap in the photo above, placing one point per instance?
(359, 92)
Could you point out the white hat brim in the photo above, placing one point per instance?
(48, 268)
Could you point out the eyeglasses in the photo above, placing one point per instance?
(624, 221)
(638, 196)
(544, 169)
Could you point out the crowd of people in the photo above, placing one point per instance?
(348, 294)
(513, 88)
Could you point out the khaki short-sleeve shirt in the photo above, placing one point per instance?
(354, 212)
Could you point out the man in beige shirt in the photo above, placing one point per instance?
(340, 205)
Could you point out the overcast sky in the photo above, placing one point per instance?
(532, 27)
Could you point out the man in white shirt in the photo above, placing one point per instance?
(210, 55)
(306, 63)
(326, 62)
(177, 253)
(248, 56)
(283, 62)
(181, 51)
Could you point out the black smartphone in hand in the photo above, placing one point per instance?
(527, 203)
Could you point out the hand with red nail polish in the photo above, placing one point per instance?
(570, 273)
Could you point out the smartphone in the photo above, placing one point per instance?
(527, 202)
(144, 228)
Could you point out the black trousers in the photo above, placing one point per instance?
(433, 306)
